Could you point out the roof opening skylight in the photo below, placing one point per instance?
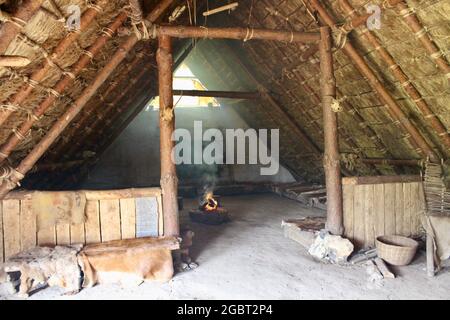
(184, 79)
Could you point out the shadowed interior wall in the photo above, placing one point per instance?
(133, 159)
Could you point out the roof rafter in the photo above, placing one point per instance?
(394, 109)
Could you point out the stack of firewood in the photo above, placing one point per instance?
(437, 196)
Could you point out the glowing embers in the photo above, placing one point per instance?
(210, 211)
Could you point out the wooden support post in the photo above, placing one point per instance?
(169, 180)
(331, 154)
(396, 112)
(401, 76)
(58, 127)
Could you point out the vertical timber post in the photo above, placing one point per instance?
(331, 154)
(169, 180)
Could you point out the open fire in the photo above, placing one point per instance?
(209, 211)
(209, 203)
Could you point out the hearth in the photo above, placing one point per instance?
(210, 211)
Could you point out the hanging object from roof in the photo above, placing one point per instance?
(231, 6)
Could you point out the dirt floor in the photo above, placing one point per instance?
(249, 258)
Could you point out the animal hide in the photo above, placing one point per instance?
(54, 208)
(128, 262)
(439, 228)
(46, 266)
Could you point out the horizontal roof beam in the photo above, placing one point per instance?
(244, 34)
(218, 94)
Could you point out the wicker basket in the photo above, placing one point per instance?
(396, 250)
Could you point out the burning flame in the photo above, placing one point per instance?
(210, 204)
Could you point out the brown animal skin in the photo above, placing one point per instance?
(126, 265)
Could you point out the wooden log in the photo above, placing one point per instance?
(398, 73)
(384, 269)
(231, 6)
(36, 153)
(169, 180)
(394, 162)
(14, 61)
(86, 118)
(424, 38)
(92, 129)
(13, 24)
(38, 75)
(358, 20)
(380, 179)
(394, 109)
(331, 154)
(16, 137)
(218, 94)
(96, 195)
(237, 34)
(278, 109)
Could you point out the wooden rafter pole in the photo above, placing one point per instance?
(91, 129)
(415, 137)
(38, 151)
(50, 167)
(218, 94)
(84, 136)
(394, 162)
(169, 179)
(278, 109)
(85, 119)
(14, 23)
(14, 101)
(317, 100)
(424, 38)
(66, 80)
(236, 34)
(331, 156)
(357, 20)
(405, 82)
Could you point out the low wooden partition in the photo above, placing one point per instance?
(382, 205)
(110, 215)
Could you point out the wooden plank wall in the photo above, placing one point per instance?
(372, 210)
(106, 219)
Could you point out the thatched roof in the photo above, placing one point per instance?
(367, 128)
